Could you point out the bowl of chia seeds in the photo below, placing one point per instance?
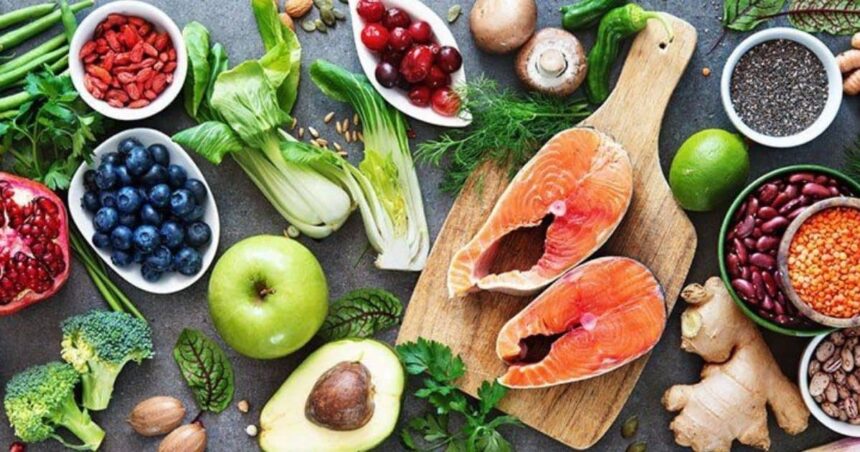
(781, 87)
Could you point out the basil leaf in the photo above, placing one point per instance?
(197, 42)
(213, 140)
(744, 15)
(206, 370)
(838, 17)
(361, 313)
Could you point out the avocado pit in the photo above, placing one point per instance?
(342, 398)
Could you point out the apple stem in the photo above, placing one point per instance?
(266, 291)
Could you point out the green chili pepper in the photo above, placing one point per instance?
(586, 13)
(618, 24)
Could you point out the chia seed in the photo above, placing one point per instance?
(779, 88)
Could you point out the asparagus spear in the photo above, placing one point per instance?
(23, 33)
(28, 13)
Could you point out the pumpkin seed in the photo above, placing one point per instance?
(321, 26)
(338, 14)
(628, 429)
(454, 13)
(309, 26)
(327, 16)
(324, 4)
(637, 447)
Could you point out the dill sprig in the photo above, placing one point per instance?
(507, 128)
(852, 160)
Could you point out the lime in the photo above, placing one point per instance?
(709, 169)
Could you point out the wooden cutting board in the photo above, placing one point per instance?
(655, 231)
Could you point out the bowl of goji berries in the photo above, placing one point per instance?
(128, 60)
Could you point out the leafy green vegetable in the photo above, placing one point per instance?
(479, 431)
(206, 369)
(361, 313)
(744, 15)
(507, 129)
(852, 160)
(275, 33)
(838, 17)
(197, 41)
(214, 140)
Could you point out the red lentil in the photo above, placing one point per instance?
(824, 262)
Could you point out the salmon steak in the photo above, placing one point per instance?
(596, 318)
(578, 187)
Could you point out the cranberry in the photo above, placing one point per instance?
(435, 49)
(403, 84)
(449, 59)
(371, 10)
(375, 37)
(392, 56)
(420, 96)
(437, 78)
(416, 64)
(386, 74)
(421, 32)
(445, 101)
(400, 39)
(395, 17)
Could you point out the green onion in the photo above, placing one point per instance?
(28, 13)
(38, 51)
(19, 35)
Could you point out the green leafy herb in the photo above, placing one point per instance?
(507, 129)
(441, 369)
(361, 313)
(838, 17)
(206, 370)
(852, 160)
(744, 15)
(49, 136)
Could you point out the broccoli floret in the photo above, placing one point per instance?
(98, 344)
(42, 398)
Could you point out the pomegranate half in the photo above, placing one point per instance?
(34, 243)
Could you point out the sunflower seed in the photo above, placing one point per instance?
(328, 117)
(313, 132)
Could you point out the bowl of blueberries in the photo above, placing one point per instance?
(146, 209)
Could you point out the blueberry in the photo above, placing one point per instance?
(176, 175)
(150, 215)
(106, 219)
(120, 258)
(106, 176)
(159, 196)
(182, 202)
(160, 154)
(91, 202)
(161, 259)
(197, 188)
(197, 234)
(156, 175)
(114, 158)
(139, 161)
(123, 178)
(188, 261)
(194, 215)
(172, 234)
(138, 257)
(120, 238)
(101, 241)
(146, 238)
(90, 180)
(128, 200)
(150, 274)
(108, 198)
(126, 145)
(128, 219)
(143, 193)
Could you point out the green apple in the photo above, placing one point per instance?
(267, 296)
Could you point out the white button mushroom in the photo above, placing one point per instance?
(553, 62)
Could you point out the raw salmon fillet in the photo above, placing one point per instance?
(583, 181)
(597, 317)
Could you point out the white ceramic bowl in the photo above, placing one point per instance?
(836, 425)
(395, 96)
(170, 282)
(834, 80)
(162, 23)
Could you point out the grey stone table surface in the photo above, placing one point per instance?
(32, 336)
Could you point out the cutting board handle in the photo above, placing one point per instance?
(652, 71)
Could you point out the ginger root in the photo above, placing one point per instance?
(855, 40)
(849, 65)
(740, 378)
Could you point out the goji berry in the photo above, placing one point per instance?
(151, 37)
(113, 41)
(97, 93)
(88, 49)
(171, 55)
(125, 77)
(115, 19)
(159, 82)
(150, 94)
(101, 46)
(99, 72)
(139, 103)
(118, 95)
(108, 61)
(129, 36)
(136, 21)
(136, 53)
(169, 67)
(122, 59)
(133, 91)
(144, 29)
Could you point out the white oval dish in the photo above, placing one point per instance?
(162, 22)
(834, 81)
(836, 425)
(394, 96)
(170, 282)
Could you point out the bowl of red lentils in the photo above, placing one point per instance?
(128, 60)
(819, 262)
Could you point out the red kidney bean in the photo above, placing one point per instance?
(816, 191)
(744, 288)
(733, 264)
(790, 206)
(766, 303)
(741, 251)
(796, 212)
(822, 179)
(801, 177)
(752, 207)
(750, 242)
(774, 224)
(766, 243)
(745, 273)
(778, 308)
(769, 284)
(768, 193)
(745, 227)
(758, 284)
(763, 261)
(756, 233)
(767, 212)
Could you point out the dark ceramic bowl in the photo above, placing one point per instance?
(727, 221)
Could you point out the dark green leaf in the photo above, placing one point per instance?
(852, 160)
(206, 370)
(432, 357)
(361, 313)
(197, 41)
(490, 394)
(213, 140)
(838, 17)
(744, 15)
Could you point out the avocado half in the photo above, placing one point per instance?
(344, 397)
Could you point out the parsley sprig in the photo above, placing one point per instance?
(441, 369)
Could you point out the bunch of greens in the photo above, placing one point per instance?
(479, 431)
(507, 129)
(837, 17)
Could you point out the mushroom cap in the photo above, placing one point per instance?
(502, 26)
(552, 62)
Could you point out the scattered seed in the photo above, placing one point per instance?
(294, 123)
(327, 16)
(313, 132)
(338, 14)
(337, 147)
(637, 447)
(321, 26)
(356, 135)
(322, 142)
(356, 119)
(293, 231)
(454, 13)
(360, 136)
(706, 71)
(309, 26)
(251, 430)
(342, 154)
(347, 137)
(628, 429)
(338, 127)
(301, 132)
(346, 124)
(328, 117)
